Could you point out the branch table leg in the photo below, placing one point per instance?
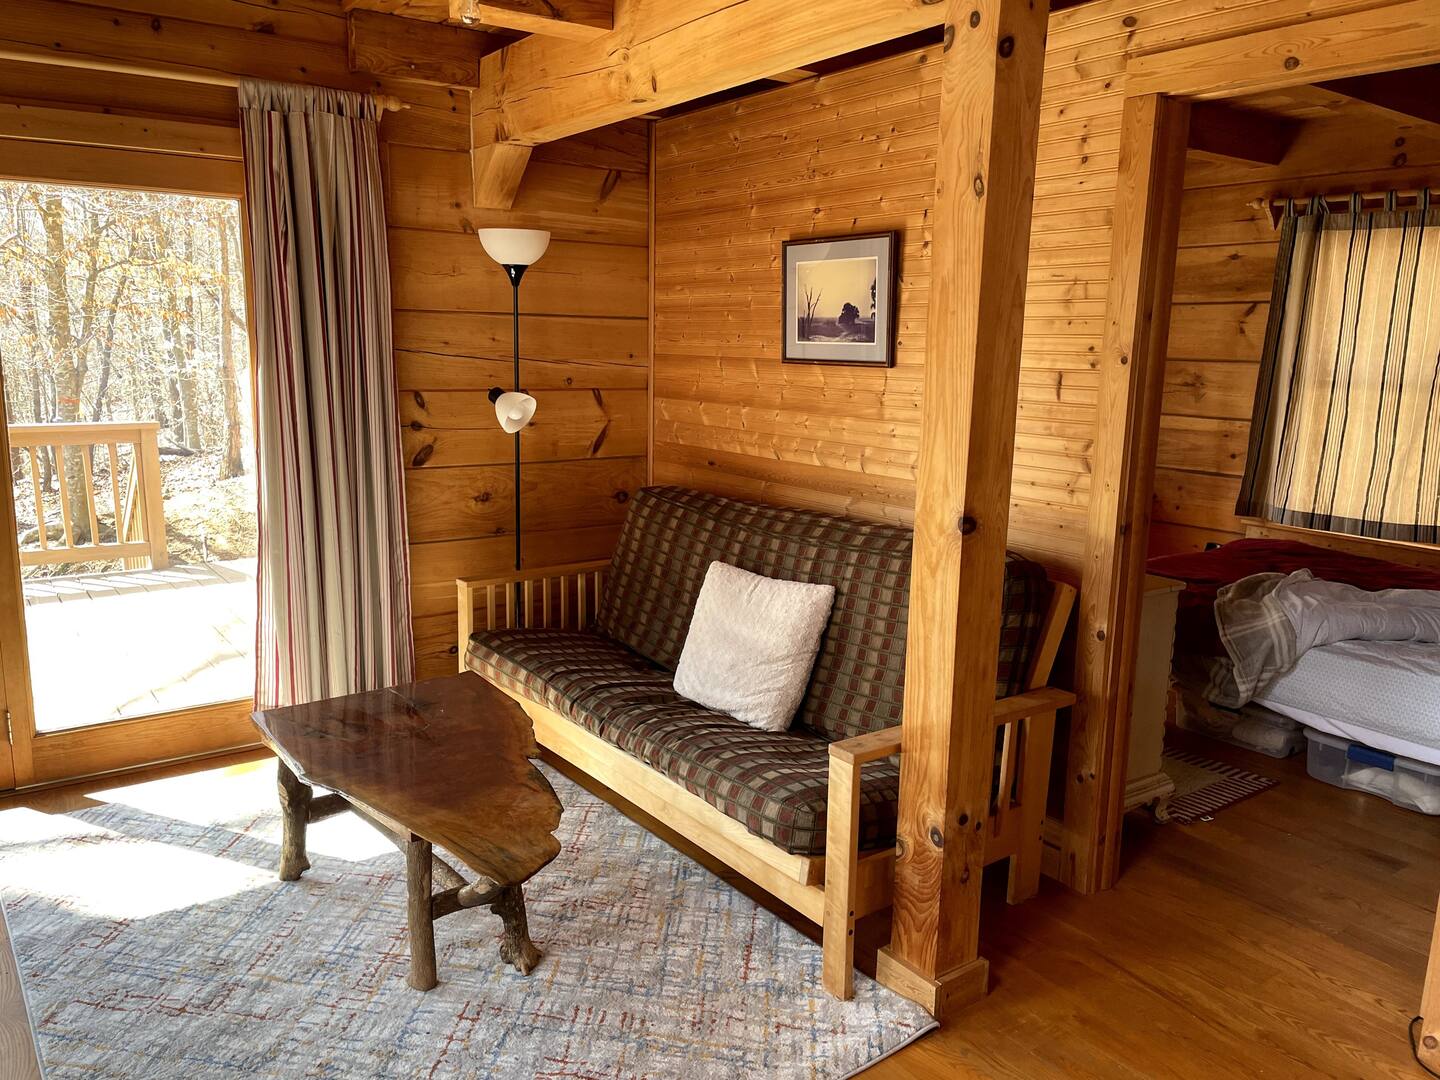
(516, 948)
(418, 873)
(295, 797)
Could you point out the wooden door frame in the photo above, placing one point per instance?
(1395, 36)
(112, 151)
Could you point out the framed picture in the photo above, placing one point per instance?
(840, 300)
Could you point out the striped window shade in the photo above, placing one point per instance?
(1345, 433)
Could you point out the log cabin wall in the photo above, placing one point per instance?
(848, 153)
(853, 152)
(1221, 301)
(585, 339)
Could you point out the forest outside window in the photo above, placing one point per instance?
(1345, 433)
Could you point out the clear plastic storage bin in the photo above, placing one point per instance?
(1403, 781)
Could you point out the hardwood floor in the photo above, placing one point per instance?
(1285, 938)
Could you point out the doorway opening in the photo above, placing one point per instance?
(126, 370)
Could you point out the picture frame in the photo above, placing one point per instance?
(840, 299)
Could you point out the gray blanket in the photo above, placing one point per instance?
(1268, 621)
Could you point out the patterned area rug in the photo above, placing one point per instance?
(1203, 787)
(155, 941)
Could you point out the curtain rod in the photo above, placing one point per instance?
(179, 73)
(1276, 205)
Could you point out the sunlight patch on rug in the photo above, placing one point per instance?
(154, 940)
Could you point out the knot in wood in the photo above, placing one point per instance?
(949, 38)
(968, 525)
(979, 186)
(1291, 63)
(1006, 47)
(936, 836)
(964, 820)
(974, 19)
(1099, 635)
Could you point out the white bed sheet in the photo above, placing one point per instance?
(1385, 694)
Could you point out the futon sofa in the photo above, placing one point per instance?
(594, 655)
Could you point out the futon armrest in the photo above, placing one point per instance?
(1018, 706)
(552, 597)
(872, 746)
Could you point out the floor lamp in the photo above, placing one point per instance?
(515, 250)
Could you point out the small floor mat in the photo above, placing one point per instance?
(1203, 787)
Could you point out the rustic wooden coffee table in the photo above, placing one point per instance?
(446, 762)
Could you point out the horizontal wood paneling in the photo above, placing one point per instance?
(1224, 271)
(850, 153)
(584, 334)
(478, 500)
(585, 355)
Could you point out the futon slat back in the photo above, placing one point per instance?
(672, 535)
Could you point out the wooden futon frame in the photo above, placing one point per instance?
(834, 889)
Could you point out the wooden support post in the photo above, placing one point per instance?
(147, 461)
(295, 796)
(1153, 136)
(1427, 1039)
(516, 948)
(419, 868)
(984, 187)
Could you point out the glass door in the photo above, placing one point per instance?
(125, 363)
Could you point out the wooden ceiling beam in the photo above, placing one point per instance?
(428, 10)
(425, 52)
(1399, 34)
(540, 89)
(579, 20)
(1241, 133)
(793, 76)
(1413, 93)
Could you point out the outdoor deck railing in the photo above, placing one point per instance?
(136, 508)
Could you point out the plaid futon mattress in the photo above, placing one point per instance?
(616, 681)
(773, 783)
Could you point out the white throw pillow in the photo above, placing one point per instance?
(751, 645)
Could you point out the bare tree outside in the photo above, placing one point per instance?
(128, 306)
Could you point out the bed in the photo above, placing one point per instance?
(1384, 695)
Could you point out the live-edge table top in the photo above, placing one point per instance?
(448, 758)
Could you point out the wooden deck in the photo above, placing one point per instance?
(113, 646)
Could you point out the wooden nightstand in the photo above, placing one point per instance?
(1146, 782)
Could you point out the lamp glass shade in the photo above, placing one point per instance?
(514, 410)
(515, 247)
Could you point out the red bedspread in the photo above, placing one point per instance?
(1204, 572)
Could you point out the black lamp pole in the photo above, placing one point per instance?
(515, 273)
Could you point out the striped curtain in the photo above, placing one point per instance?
(1345, 434)
(334, 572)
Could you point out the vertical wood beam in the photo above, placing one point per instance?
(16, 767)
(1427, 1039)
(1153, 135)
(984, 187)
